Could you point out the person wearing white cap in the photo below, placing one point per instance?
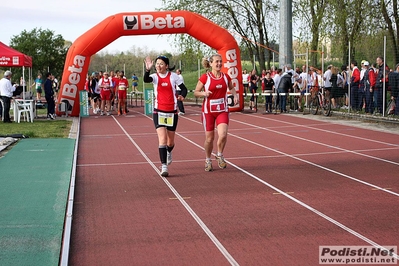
(6, 92)
(106, 84)
(361, 96)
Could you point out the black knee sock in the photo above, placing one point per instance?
(169, 149)
(162, 154)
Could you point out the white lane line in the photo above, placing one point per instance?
(349, 230)
(319, 143)
(203, 226)
(286, 194)
(319, 213)
(306, 161)
(298, 201)
(332, 132)
(66, 239)
(235, 158)
(317, 165)
(108, 164)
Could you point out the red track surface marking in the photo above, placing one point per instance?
(292, 184)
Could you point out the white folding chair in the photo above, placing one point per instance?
(23, 107)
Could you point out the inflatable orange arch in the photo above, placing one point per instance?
(146, 23)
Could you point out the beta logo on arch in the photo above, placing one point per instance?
(148, 22)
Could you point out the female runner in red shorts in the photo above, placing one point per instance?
(213, 86)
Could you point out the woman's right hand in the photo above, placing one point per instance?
(207, 93)
(148, 63)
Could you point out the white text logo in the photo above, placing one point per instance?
(70, 88)
(147, 22)
(232, 70)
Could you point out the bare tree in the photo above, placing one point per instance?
(389, 10)
(313, 13)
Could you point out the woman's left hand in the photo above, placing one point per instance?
(236, 99)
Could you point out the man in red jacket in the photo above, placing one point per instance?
(354, 89)
(369, 84)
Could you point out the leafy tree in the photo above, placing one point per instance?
(48, 51)
(351, 25)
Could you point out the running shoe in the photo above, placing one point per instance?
(208, 166)
(221, 162)
(164, 170)
(169, 158)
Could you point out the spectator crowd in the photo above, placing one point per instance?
(366, 88)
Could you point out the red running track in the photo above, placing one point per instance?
(292, 184)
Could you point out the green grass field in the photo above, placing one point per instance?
(58, 128)
(40, 128)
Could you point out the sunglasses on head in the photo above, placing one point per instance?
(161, 57)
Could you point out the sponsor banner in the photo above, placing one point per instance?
(9, 61)
(358, 255)
(84, 103)
(148, 101)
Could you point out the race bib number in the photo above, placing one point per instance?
(122, 87)
(165, 119)
(217, 105)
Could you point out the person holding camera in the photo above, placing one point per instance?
(6, 93)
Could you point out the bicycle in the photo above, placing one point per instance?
(319, 99)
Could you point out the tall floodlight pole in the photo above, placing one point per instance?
(285, 56)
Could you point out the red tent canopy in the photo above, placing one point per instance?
(12, 58)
